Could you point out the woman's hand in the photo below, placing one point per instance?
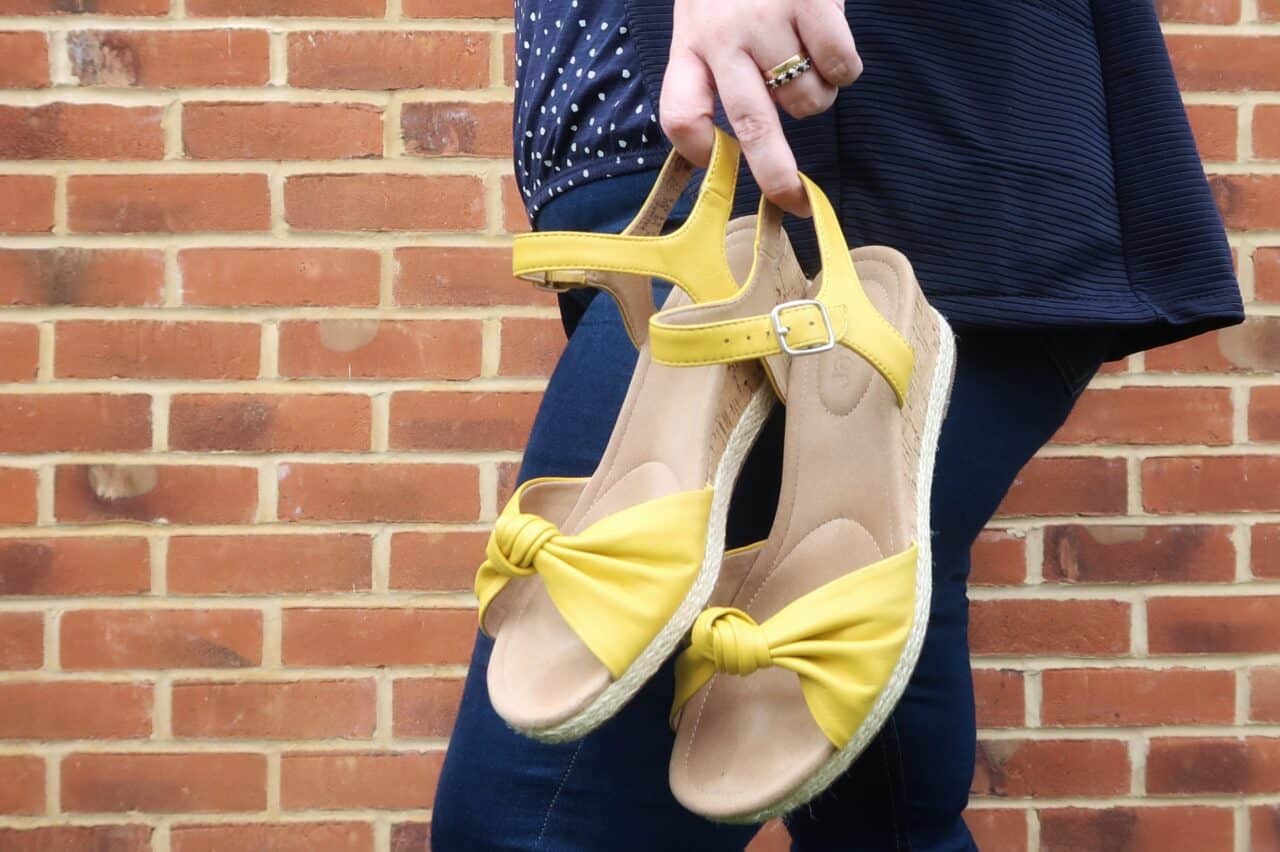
(725, 47)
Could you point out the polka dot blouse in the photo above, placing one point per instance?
(581, 113)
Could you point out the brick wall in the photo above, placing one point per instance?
(264, 378)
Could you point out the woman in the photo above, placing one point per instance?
(1033, 161)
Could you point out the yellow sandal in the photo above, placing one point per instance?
(590, 584)
(810, 645)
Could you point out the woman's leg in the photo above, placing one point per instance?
(499, 790)
(910, 788)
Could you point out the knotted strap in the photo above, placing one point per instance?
(843, 640)
(839, 314)
(618, 582)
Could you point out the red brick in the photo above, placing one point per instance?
(1264, 694)
(384, 202)
(1051, 768)
(286, 8)
(23, 789)
(74, 566)
(515, 219)
(130, 204)
(1269, 10)
(71, 710)
(1000, 698)
(155, 349)
(508, 61)
(63, 131)
(50, 423)
(269, 564)
(279, 276)
(388, 60)
(273, 837)
(270, 422)
(1266, 131)
(1199, 11)
(1213, 625)
(436, 561)
(26, 202)
(88, 7)
(1266, 550)
(445, 420)
(24, 60)
(21, 643)
(370, 348)
(1225, 63)
(306, 709)
(161, 639)
(1136, 697)
(281, 131)
(1142, 415)
(1264, 414)
(1004, 830)
(377, 637)
(19, 352)
(458, 129)
(1072, 627)
(412, 493)
(1068, 486)
(1266, 273)
(1163, 829)
(381, 780)
(74, 276)
(1251, 347)
(173, 494)
(164, 783)
(462, 276)
(772, 837)
(457, 8)
(1080, 553)
(425, 706)
(410, 836)
(998, 558)
(1211, 484)
(17, 495)
(1248, 201)
(1215, 129)
(170, 58)
(1264, 820)
(77, 838)
(1204, 765)
(530, 347)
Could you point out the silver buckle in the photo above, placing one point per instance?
(782, 331)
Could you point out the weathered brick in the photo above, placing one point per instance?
(169, 58)
(78, 565)
(75, 276)
(1083, 553)
(281, 131)
(164, 783)
(161, 639)
(269, 564)
(377, 637)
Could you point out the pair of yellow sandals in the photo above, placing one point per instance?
(799, 646)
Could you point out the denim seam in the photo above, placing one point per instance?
(551, 806)
(905, 834)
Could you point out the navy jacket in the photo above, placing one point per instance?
(1031, 157)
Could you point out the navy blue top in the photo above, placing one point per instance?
(1031, 157)
(581, 111)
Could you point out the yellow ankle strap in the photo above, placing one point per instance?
(840, 313)
(692, 257)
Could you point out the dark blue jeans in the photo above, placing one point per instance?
(608, 792)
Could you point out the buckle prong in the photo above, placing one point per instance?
(775, 317)
(559, 281)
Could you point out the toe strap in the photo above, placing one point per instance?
(843, 640)
(616, 583)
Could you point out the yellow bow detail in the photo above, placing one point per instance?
(616, 583)
(843, 640)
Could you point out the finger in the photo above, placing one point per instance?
(825, 32)
(686, 105)
(754, 118)
(806, 95)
